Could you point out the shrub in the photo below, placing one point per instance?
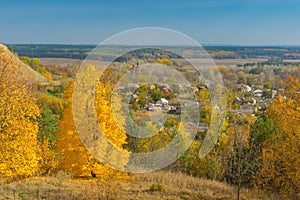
(156, 187)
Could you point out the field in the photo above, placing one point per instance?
(173, 186)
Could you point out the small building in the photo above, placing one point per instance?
(244, 88)
(162, 102)
(274, 92)
(280, 92)
(258, 93)
(249, 100)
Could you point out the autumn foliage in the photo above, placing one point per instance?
(19, 146)
(74, 156)
(39, 133)
(279, 169)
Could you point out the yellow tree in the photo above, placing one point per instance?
(111, 123)
(18, 125)
(280, 166)
(75, 157)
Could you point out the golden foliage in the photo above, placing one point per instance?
(280, 167)
(75, 157)
(18, 126)
(48, 159)
(164, 61)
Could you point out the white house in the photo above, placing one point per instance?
(162, 101)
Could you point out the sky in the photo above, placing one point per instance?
(209, 22)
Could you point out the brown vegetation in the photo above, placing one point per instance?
(175, 186)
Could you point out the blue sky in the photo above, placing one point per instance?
(234, 22)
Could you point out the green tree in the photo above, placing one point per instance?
(268, 85)
(48, 125)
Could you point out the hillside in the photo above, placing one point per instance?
(9, 59)
(175, 186)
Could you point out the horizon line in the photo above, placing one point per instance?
(208, 45)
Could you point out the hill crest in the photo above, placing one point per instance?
(7, 58)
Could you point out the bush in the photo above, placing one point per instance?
(156, 187)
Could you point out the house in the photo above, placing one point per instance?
(280, 91)
(162, 102)
(244, 88)
(154, 108)
(249, 100)
(274, 92)
(258, 93)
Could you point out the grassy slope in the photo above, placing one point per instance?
(9, 59)
(176, 186)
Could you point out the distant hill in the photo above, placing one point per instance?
(7, 59)
(110, 51)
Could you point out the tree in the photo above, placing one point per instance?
(278, 168)
(239, 163)
(164, 61)
(74, 156)
(268, 85)
(48, 125)
(25, 59)
(35, 62)
(19, 113)
(43, 71)
(241, 76)
(280, 156)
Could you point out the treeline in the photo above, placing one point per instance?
(218, 52)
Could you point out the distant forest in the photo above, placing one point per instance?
(276, 53)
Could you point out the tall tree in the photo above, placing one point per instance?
(279, 169)
(75, 157)
(19, 146)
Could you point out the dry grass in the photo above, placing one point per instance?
(181, 186)
(8, 59)
(175, 186)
